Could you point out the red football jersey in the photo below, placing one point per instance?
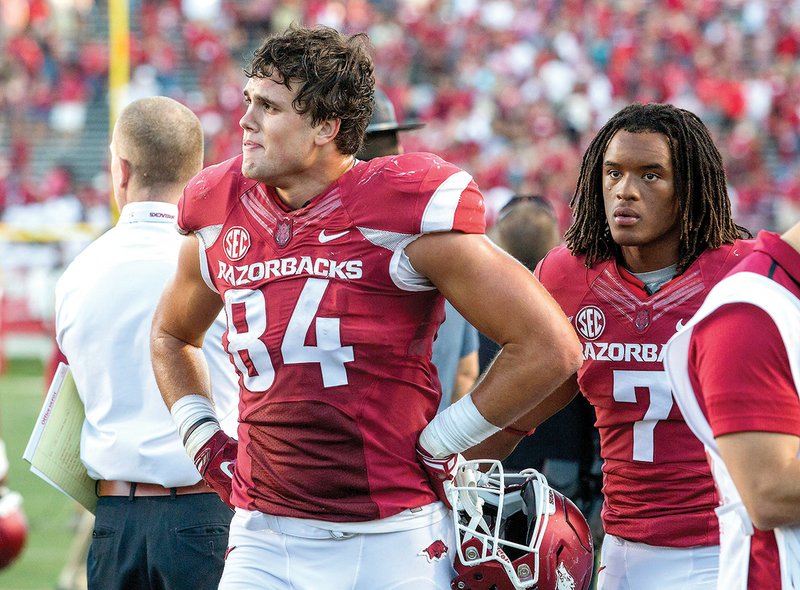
(330, 329)
(737, 401)
(657, 484)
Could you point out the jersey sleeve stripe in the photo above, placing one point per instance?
(440, 212)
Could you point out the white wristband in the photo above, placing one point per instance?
(196, 420)
(459, 427)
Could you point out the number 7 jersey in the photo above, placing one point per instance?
(330, 329)
(656, 481)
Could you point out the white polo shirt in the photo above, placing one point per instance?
(105, 302)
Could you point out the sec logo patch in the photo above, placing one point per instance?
(236, 242)
(590, 322)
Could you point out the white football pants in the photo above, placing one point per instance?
(625, 565)
(284, 554)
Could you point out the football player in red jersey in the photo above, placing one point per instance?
(653, 232)
(734, 372)
(333, 274)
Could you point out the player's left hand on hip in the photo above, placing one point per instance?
(440, 471)
(216, 462)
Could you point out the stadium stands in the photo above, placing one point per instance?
(510, 89)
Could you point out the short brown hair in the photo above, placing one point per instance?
(527, 228)
(161, 139)
(335, 74)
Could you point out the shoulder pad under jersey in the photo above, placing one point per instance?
(716, 263)
(415, 193)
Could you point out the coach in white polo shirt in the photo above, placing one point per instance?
(158, 526)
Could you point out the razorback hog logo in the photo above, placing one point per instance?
(435, 551)
(564, 579)
(236, 242)
(283, 233)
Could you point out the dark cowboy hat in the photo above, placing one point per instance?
(384, 117)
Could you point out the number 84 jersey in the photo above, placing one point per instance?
(330, 329)
(656, 480)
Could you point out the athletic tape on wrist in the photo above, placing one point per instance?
(196, 420)
(459, 427)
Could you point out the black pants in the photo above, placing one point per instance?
(158, 543)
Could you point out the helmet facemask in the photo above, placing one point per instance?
(501, 522)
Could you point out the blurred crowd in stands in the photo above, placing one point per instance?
(511, 90)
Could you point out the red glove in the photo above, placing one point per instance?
(216, 461)
(439, 471)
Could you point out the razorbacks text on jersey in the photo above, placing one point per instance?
(656, 481)
(330, 329)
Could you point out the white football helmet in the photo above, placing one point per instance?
(515, 532)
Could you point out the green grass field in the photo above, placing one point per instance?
(50, 514)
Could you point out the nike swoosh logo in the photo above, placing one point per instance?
(226, 468)
(325, 238)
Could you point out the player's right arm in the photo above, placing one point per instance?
(186, 310)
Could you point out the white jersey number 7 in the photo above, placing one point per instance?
(625, 384)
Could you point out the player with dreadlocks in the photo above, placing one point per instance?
(652, 234)
(699, 185)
